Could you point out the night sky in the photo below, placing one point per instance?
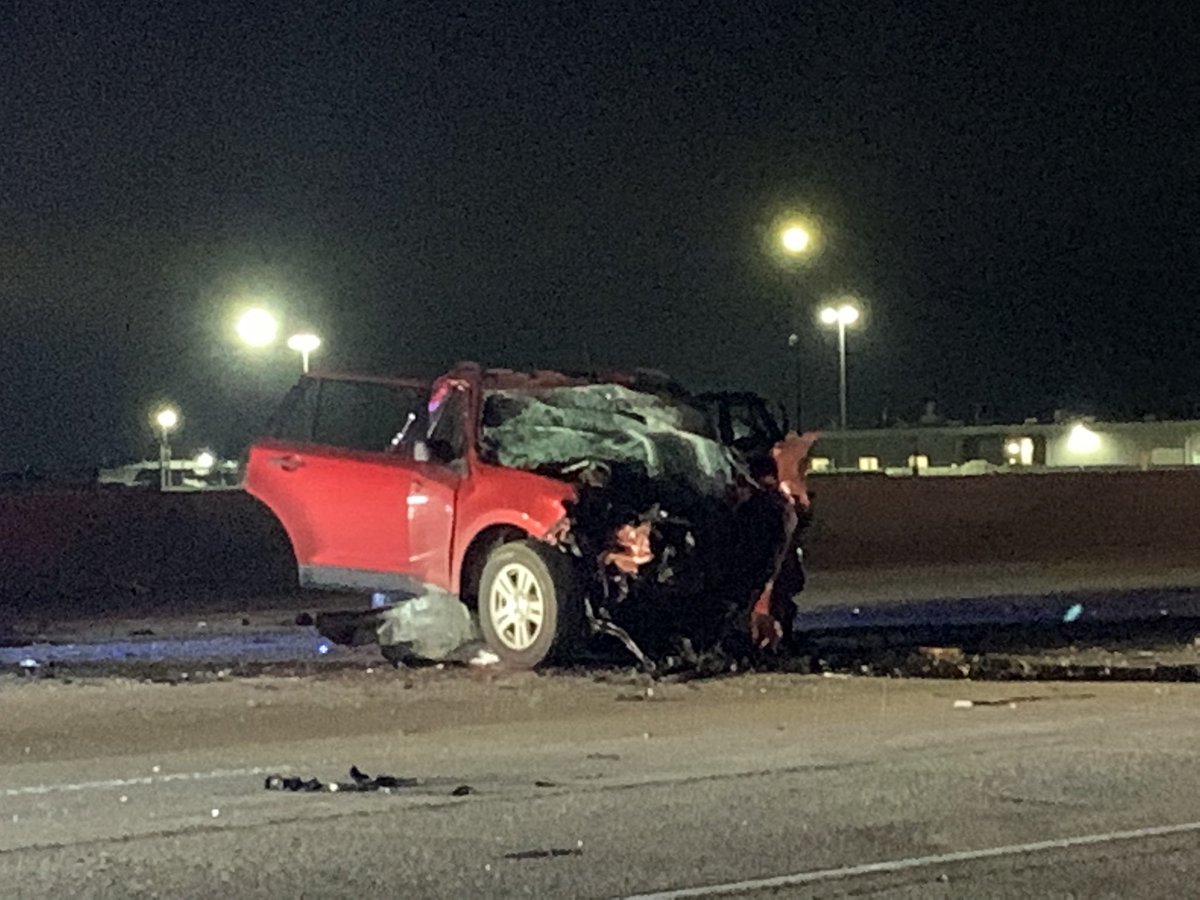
(1012, 190)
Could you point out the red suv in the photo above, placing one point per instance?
(539, 503)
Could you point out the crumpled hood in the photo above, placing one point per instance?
(607, 423)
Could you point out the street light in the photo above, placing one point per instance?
(796, 239)
(257, 327)
(796, 242)
(842, 315)
(166, 418)
(304, 344)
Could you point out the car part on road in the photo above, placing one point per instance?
(359, 782)
(546, 854)
(431, 626)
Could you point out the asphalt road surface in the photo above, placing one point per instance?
(771, 786)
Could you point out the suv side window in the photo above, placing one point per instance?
(359, 415)
(293, 420)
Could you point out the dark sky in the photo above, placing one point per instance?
(1011, 188)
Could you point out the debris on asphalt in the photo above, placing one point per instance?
(647, 694)
(430, 626)
(1011, 702)
(359, 782)
(304, 620)
(544, 784)
(462, 791)
(484, 658)
(612, 757)
(545, 854)
(940, 662)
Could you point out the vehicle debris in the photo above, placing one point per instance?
(431, 626)
(546, 854)
(462, 791)
(359, 782)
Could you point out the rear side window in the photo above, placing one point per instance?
(293, 420)
(354, 415)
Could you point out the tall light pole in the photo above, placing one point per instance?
(166, 420)
(842, 315)
(304, 344)
(797, 243)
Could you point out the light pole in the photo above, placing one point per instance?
(304, 344)
(842, 315)
(166, 419)
(798, 243)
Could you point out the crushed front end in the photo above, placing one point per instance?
(674, 540)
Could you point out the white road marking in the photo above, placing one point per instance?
(916, 862)
(145, 780)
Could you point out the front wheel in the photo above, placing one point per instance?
(529, 605)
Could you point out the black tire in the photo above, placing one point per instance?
(544, 577)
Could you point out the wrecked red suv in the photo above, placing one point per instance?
(524, 510)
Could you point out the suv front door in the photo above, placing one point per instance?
(332, 475)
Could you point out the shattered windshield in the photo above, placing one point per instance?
(558, 427)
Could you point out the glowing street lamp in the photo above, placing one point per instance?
(796, 240)
(166, 419)
(304, 344)
(842, 315)
(257, 328)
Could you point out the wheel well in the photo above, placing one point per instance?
(476, 556)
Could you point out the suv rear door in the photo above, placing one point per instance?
(331, 474)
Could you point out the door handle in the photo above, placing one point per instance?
(289, 463)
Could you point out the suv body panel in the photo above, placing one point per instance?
(386, 521)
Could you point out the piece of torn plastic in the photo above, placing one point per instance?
(431, 626)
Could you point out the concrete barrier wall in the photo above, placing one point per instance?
(93, 543)
(89, 544)
(864, 521)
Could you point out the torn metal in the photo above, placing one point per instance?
(673, 538)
